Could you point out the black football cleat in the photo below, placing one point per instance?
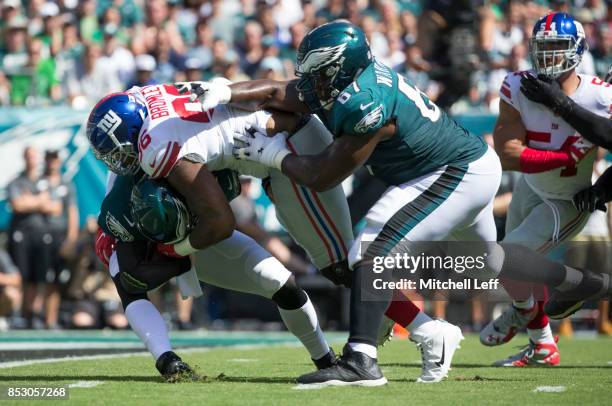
(353, 368)
(173, 369)
(564, 304)
(326, 361)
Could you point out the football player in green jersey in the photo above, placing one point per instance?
(138, 215)
(442, 180)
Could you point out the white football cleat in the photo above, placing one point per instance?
(502, 329)
(437, 352)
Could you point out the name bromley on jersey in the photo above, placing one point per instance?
(155, 102)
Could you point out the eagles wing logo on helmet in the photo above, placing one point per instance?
(117, 229)
(319, 57)
(369, 120)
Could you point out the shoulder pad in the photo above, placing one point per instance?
(361, 114)
(157, 158)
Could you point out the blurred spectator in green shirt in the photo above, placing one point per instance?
(37, 83)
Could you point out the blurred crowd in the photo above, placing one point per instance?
(74, 52)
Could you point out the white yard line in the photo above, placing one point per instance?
(550, 389)
(85, 384)
(15, 364)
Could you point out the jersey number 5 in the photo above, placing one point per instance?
(429, 110)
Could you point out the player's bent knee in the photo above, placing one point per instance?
(290, 296)
(124, 295)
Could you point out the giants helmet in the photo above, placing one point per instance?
(556, 45)
(112, 130)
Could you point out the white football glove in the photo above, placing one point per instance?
(188, 87)
(256, 146)
(209, 94)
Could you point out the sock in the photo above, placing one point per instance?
(303, 323)
(540, 320)
(572, 279)
(148, 324)
(541, 335)
(367, 349)
(367, 306)
(422, 327)
(402, 310)
(524, 304)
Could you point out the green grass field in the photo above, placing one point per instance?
(265, 376)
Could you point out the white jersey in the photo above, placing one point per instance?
(176, 128)
(547, 131)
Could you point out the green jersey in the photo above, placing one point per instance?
(425, 138)
(115, 216)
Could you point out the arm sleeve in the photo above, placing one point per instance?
(605, 183)
(595, 128)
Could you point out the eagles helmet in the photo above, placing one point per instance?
(556, 45)
(329, 58)
(160, 213)
(112, 130)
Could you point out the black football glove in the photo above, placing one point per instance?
(545, 92)
(590, 199)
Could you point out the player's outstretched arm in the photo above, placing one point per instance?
(267, 94)
(206, 200)
(334, 164)
(595, 128)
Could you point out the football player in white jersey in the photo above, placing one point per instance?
(556, 162)
(161, 131)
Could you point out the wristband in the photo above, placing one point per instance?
(225, 93)
(278, 159)
(184, 248)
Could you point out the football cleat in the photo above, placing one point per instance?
(173, 369)
(385, 332)
(327, 360)
(437, 352)
(538, 355)
(353, 368)
(502, 329)
(564, 304)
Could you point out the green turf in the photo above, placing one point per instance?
(265, 376)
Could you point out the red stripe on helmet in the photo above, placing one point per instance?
(549, 19)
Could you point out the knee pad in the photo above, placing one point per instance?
(290, 296)
(124, 295)
(339, 273)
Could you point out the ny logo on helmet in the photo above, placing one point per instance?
(109, 123)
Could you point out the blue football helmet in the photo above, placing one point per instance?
(112, 130)
(557, 45)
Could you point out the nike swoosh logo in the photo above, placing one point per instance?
(131, 223)
(441, 362)
(363, 107)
